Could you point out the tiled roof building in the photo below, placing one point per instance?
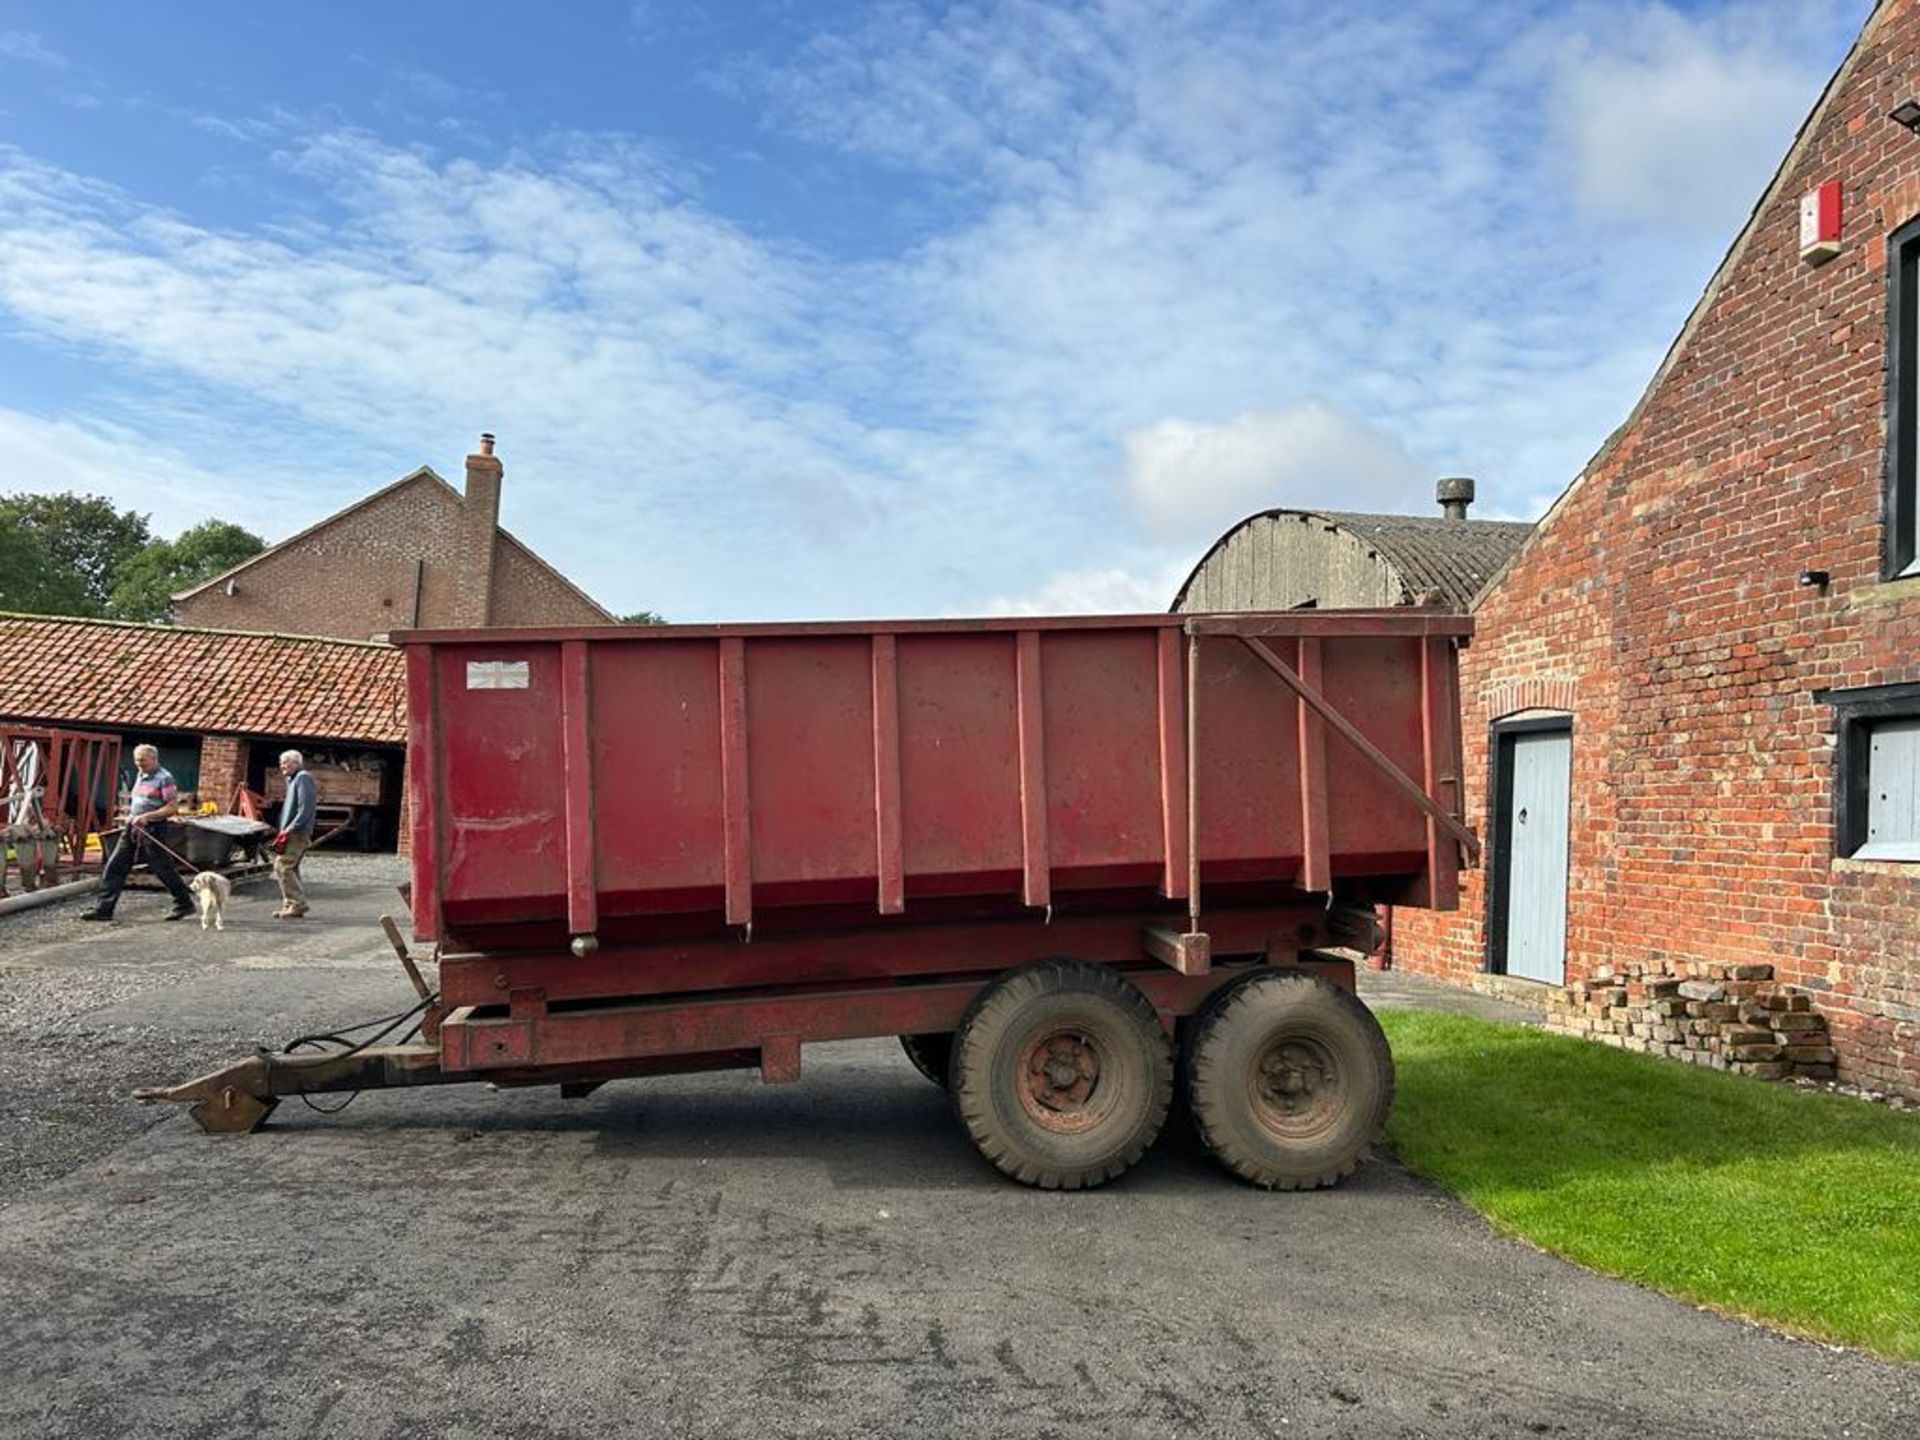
(220, 705)
(115, 674)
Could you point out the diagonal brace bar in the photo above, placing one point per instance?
(1366, 747)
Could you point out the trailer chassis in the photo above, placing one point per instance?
(556, 1018)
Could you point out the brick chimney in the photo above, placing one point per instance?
(478, 525)
(1455, 494)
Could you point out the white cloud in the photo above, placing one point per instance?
(25, 45)
(1190, 481)
(1672, 117)
(1144, 590)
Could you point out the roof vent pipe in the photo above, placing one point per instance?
(1455, 494)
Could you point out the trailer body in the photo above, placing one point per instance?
(642, 785)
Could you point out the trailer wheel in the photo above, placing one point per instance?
(1062, 1074)
(932, 1055)
(1290, 1080)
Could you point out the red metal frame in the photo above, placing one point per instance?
(1400, 620)
(863, 955)
(75, 765)
(531, 1038)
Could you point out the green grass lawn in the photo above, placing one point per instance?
(1790, 1206)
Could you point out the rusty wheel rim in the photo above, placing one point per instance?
(1295, 1086)
(1059, 1084)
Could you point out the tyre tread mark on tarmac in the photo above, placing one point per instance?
(1190, 1415)
(592, 1244)
(793, 1327)
(1501, 1402)
(805, 1344)
(1003, 1354)
(317, 1421)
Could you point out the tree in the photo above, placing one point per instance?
(30, 581)
(85, 540)
(644, 617)
(161, 568)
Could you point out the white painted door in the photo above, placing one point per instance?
(1536, 892)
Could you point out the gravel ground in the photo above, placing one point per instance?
(73, 1048)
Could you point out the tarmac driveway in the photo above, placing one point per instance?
(707, 1256)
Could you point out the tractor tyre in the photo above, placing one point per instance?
(1289, 1079)
(931, 1054)
(1062, 1074)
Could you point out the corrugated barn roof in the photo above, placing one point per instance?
(1455, 557)
(1284, 557)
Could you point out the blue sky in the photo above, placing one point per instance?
(786, 310)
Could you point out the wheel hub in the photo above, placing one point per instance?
(1061, 1073)
(1296, 1086)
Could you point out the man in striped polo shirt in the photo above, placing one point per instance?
(147, 837)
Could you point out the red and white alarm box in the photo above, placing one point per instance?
(1820, 223)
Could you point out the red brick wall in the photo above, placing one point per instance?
(355, 576)
(1659, 603)
(524, 592)
(223, 767)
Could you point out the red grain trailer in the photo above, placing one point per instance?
(1052, 855)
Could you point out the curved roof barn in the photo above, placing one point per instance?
(1284, 559)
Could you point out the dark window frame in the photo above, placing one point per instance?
(1499, 843)
(1855, 712)
(1898, 507)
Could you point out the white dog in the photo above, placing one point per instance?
(210, 891)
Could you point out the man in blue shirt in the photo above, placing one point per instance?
(147, 837)
(296, 834)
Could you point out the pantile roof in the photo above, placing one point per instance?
(107, 672)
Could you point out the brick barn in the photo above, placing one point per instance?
(1693, 697)
(416, 555)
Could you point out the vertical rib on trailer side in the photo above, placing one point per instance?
(1316, 842)
(738, 837)
(886, 775)
(576, 765)
(1175, 783)
(425, 758)
(1030, 708)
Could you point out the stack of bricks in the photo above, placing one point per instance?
(1727, 1017)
